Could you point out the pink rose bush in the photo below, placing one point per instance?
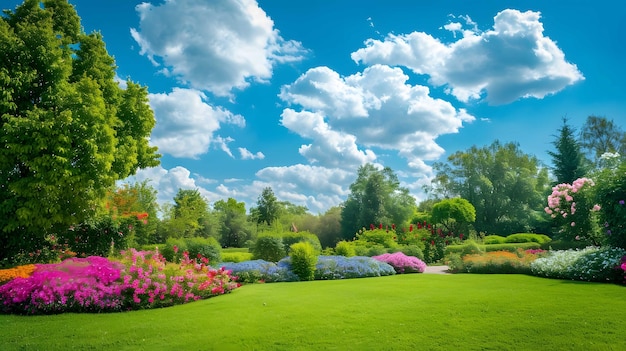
(402, 263)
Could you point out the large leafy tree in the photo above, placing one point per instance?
(600, 135)
(454, 214)
(375, 197)
(234, 228)
(505, 186)
(68, 131)
(567, 158)
(268, 207)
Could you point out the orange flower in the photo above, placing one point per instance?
(16, 272)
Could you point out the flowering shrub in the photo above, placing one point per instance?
(402, 263)
(142, 279)
(589, 264)
(500, 262)
(77, 284)
(570, 205)
(341, 267)
(149, 282)
(611, 194)
(24, 271)
(622, 267)
(260, 271)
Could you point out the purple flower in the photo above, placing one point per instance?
(621, 202)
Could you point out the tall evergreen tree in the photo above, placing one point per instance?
(268, 207)
(568, 160)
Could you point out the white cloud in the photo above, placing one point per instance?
(168, 182)
(216, 45)
(248, 155)
(513, 60)
(186, 124)
(375, 108)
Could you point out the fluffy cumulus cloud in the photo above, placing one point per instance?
(372, 109)
(167, 182)
(186, 123)
(213, 45)
(248, 155)
(513, 60)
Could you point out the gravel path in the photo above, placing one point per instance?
(437, 270)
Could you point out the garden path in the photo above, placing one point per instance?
(437, 270)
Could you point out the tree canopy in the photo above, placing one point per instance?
(505, 186)
(375, 197)
(68, 130)
(567, 158)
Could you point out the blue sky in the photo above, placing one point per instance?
(296, 95)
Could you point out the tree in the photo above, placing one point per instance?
(600, 135)
(454, 214)
(188, 217)
(68, 130)
(375, 197)
(233, 225)
(268, 207)
(568, 159)
(136, 206)
(505, 186)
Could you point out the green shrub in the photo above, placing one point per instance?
(611, 196)
(527, 238)
(268, 247)
(564, 245)
(470, 248)
(168, 249)
(376, 250)
(344, 248)
(207, 247)
(382, 237)
(413, 250)
(454, 262)
(494, 239)
(512, 247)
(303, 260)
(236, 257)
(290, 238)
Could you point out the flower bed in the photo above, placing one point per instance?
(402, 263)
(141, 279)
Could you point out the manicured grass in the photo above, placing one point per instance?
(403, 312)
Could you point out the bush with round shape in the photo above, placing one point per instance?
(303, 260)
(344, 248)
(527, 237)
(269, 248)
(290, 238)
(493, 239)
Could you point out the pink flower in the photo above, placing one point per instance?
(573, 224)
(596, 207)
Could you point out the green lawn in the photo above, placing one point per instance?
(403, 312)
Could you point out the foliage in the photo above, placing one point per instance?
(375, 197)
(261, 271)
(454, 214)
(269, 247)
(341, 267)
(206, 247)
(572, 208)
(97, 236)
(611, 195)
(303, 259)
(527, 238)
(412, 250)
(382, 237)
(589, 264)
(568, 159)
(69, 130)
(402, 263)
(499, 262)
(268, 208)
(189, 217)
(135, 206)
(344, 248)
(600, 135)
(493, 239)
(290, 238)
(511, 247)
(234, 228)
(236, 256)
(504, 185)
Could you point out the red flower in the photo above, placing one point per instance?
(381, 226)
(432, 242)
(461, 236)
(411, 227)
(393, 226)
